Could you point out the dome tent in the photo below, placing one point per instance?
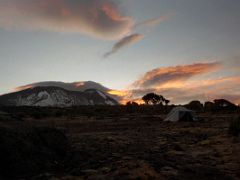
(180, 114)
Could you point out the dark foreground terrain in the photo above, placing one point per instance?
(117, 146)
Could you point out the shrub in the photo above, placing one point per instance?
(234, 128)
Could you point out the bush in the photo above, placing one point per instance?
(234, 128)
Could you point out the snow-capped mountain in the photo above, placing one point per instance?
(74, 86)
(56, 96)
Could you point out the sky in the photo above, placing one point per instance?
(182, 49)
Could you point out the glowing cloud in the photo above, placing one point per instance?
(96, 18)
(74, 86)
(22, 88)
(182, 84)
(206, 90)
(128, 40)
(172, 76)
(118, 93)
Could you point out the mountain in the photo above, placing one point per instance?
(74, 86)
(56, 96)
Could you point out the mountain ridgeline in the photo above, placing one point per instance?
(56, 97)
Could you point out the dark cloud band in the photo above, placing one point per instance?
(131, 39)
(96, 18)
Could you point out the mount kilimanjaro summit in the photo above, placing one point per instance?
(59, 94)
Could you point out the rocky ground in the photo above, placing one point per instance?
(130, 146)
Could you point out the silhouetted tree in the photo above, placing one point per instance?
(152, 98)
(223, 104)
(209, 106)
(156, 99)
(131, 103)
(134, 103)
(195, 105)
(147, 98)
(220, 105)
(166, 102)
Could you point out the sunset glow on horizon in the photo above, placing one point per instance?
(184, 50)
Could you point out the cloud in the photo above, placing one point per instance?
(128, 40)
(153, 21)
(74, 86)
(131, 39)
(96, 18)
(182, 84)
(174, 75)
(101, 19)
(207, 90)
(203, 90)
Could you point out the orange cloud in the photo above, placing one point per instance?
(168, 76)
(207, 90)
(203, 90)
(184, 83)
(118, 93)
(22, 88)
(96, 18)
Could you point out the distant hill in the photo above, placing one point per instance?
(56, 96)
(73, 86)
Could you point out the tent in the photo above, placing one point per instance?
(180, 114)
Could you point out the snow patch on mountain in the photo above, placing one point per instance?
(55, 96)
(101, 94)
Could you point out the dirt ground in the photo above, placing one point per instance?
(134, 146)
